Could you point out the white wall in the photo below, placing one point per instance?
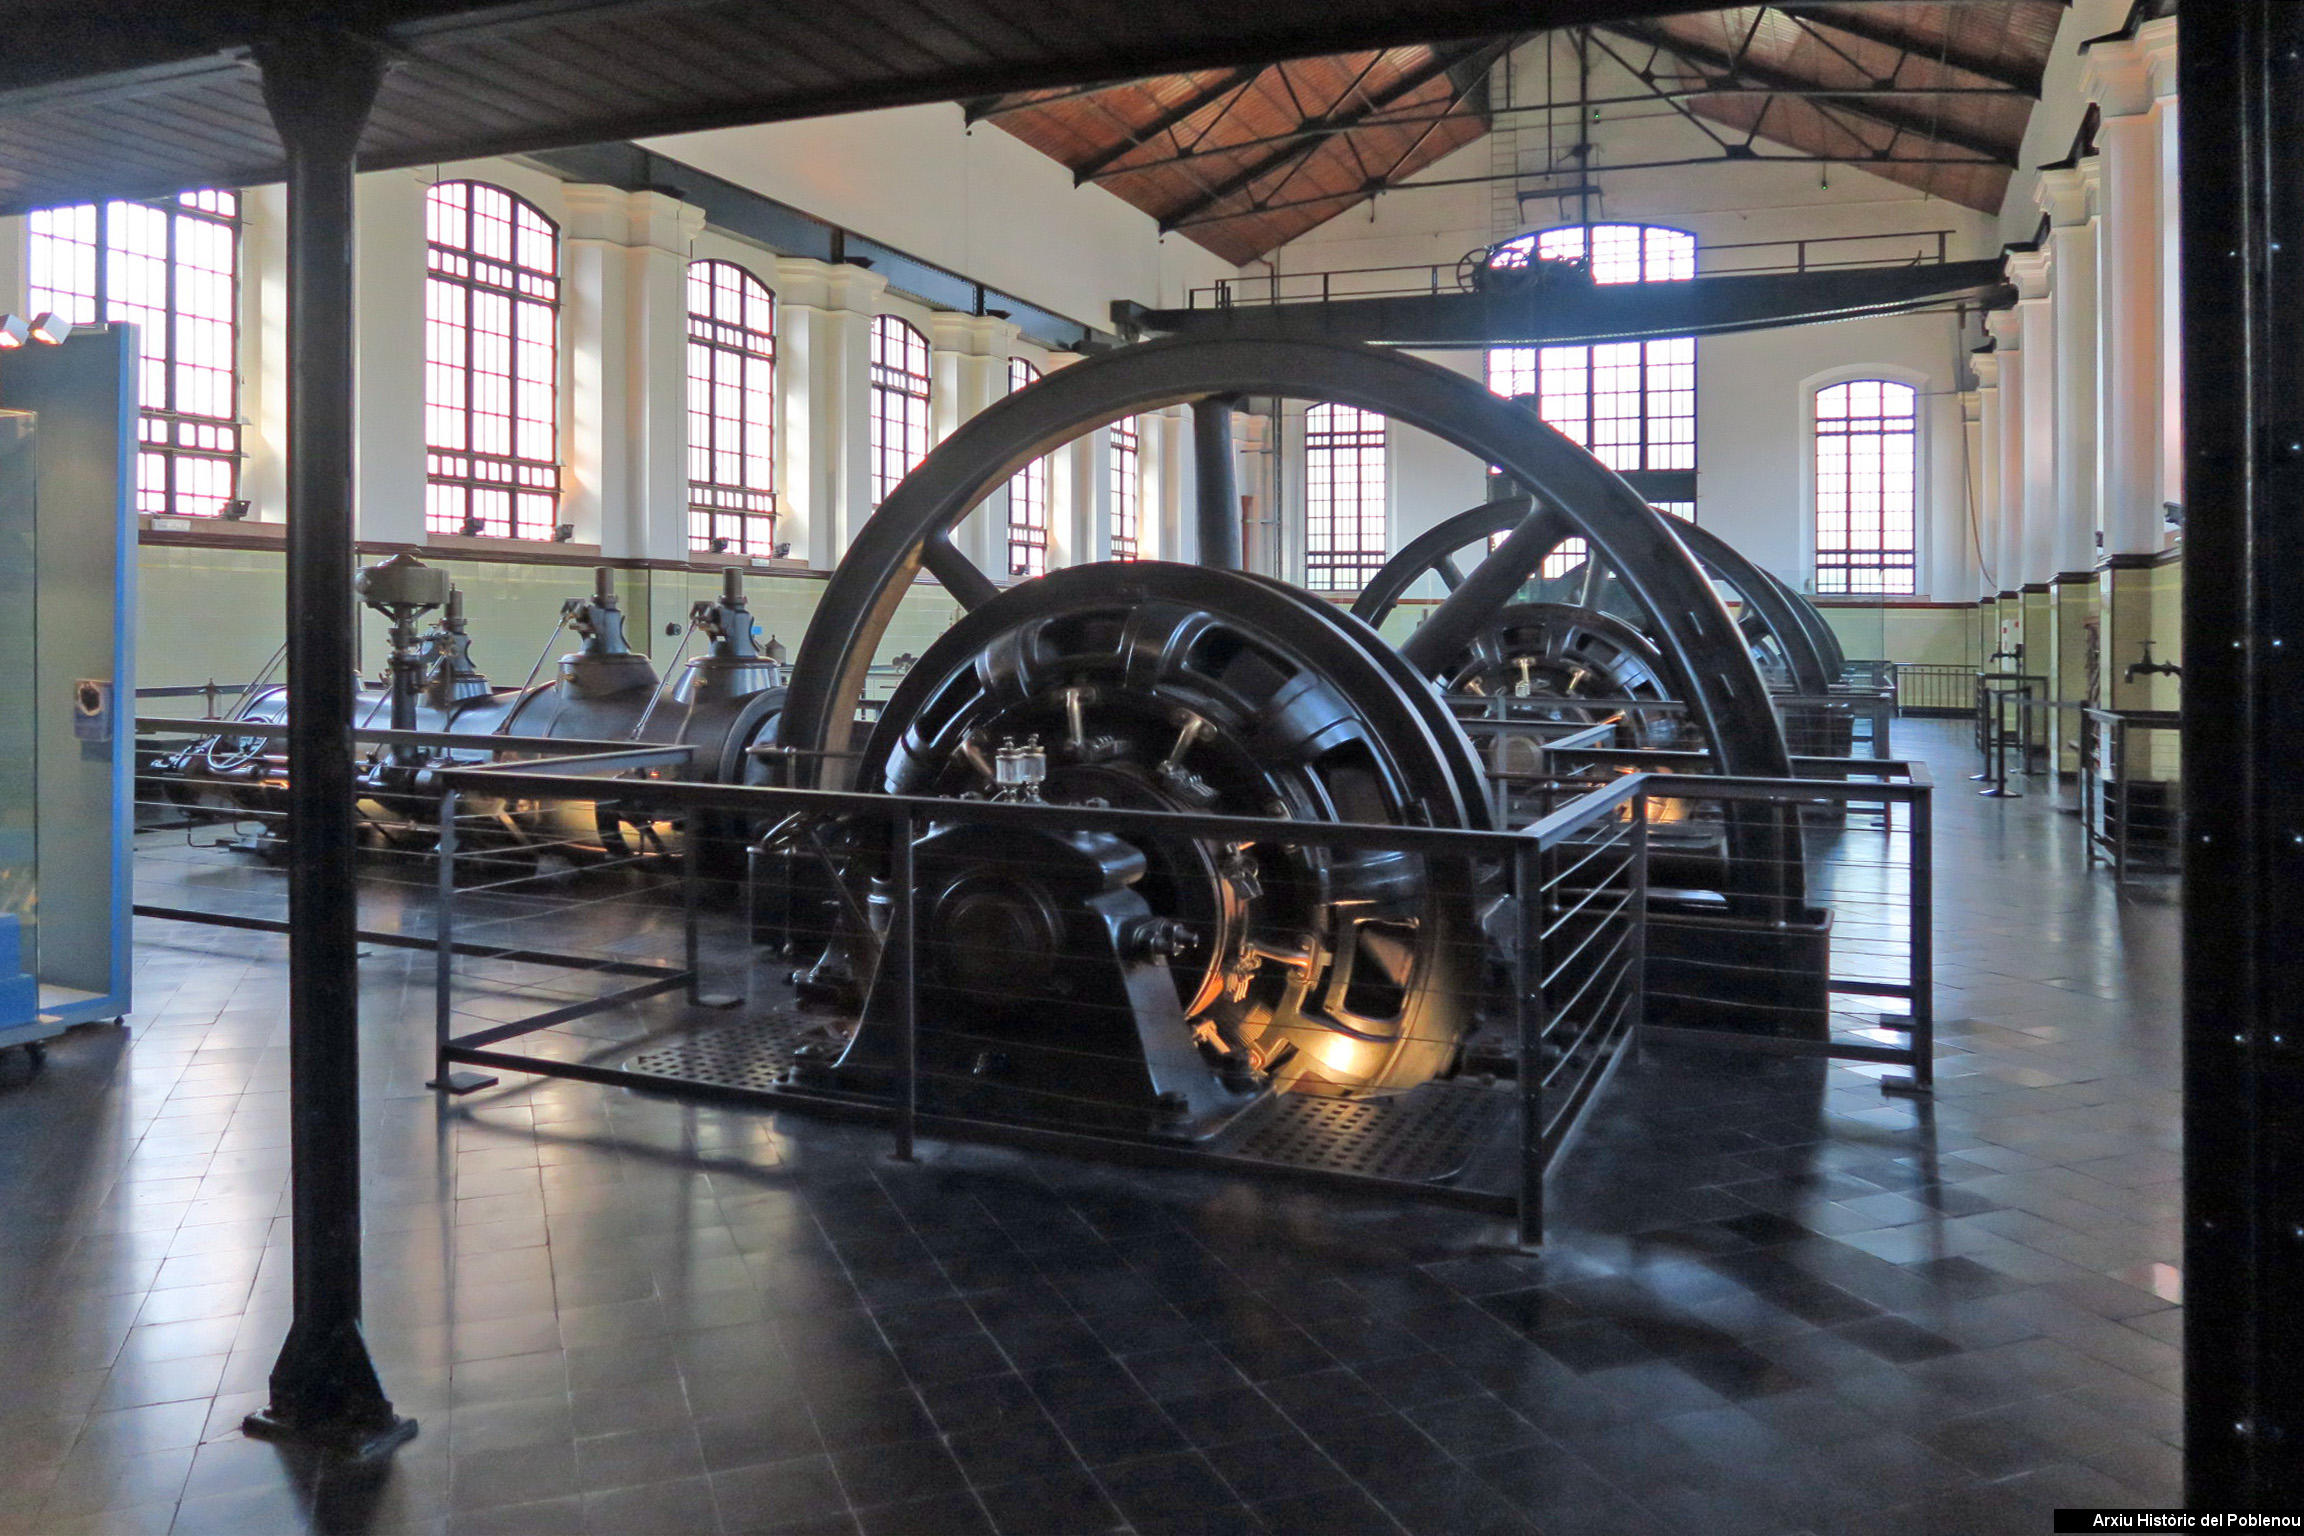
(980, 202)
(1751, 409)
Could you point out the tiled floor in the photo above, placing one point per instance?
(1775, 1302)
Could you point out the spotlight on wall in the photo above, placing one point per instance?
(51, 328)
(15, 330)
(719, 546)
(473, 527)
(237, 511)
(565, 533)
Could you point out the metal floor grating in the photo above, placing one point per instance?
(750, 1053)
(1425, 1136)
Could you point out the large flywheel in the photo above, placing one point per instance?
(1154, 983)
(1783, 631)
(1164, 687)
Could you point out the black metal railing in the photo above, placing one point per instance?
(1935, 690)
(2132, 802)
(1565, 990)
(1869, 882)
(1819, 253)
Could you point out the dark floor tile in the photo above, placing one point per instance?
(897, 1471)
(679, 1508)
(1011, 1449)
(1222, 1418)
(778, 1493)
(1892, 1338)
(1164, 1487)
(1407, 1380)
(1104, 1435)
(744, 1440)
(954, 1514)
(1067, 1504)
(1274, 1468)
(1326, 1513)
(1472, 1426)
(1450, 1501)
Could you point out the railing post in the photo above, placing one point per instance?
(444, 1077)
(1528, 1020)
(901, 955)
(1921, 881)
(1639, 908)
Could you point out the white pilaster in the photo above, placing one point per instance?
(262, 354)
(1167, 460)
(2032, 272)
(968, 359)
(388, 328)
(824, 354)
(623, 322)
(2132, 82)
(2007, 330)
(1980, 413)
(15, 279)
(2063, 194)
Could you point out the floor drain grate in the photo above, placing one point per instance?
(754, 1053)
(1425, 1136)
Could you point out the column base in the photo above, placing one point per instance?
(325, 1396)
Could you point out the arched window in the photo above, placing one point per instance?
(491, 364)
(1027, 497)
(1633, 403)
(172, 268)
(899, 403)
(1867, 486)
(1127, 486)
(1344, 524)
(731, 410)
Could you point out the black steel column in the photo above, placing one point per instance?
(1217, 482)
(319, 86)
(2242, 89)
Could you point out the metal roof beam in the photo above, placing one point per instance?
(1174, 117)
(1925, 129)
(1438, 67)
(2007, 76)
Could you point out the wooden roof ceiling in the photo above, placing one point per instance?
(125, 98)
(1933, 95)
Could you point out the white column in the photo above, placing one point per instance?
(968, 360)
(2132, 82)
(2007, 328)
(623, 328)
(388, 276)
(824, 354)
(2063, 195)
(2032, 272)
(1980, 419)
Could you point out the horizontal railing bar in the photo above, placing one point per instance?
(768, 800)
(413, 941)
(545, 746)
(591, 1005)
